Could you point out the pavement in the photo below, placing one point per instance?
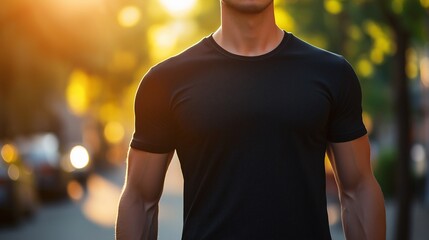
(419, 222)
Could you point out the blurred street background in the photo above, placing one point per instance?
(69, 70)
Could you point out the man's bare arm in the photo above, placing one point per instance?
(362, 203)
(138, 206)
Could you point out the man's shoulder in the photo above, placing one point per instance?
(304, 49)
(322, 62)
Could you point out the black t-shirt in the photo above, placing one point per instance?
(251, 135)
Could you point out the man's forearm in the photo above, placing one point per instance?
(363, 212)
(136, 220)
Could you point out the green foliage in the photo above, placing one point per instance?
(384, 171)
(412, 17)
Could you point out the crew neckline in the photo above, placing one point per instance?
(278, 48)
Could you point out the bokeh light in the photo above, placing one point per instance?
(109, 111)
(114, 132)
(9, 153)
(75, 190)
(77, 92)
(382, 42)
(418, 155)
(129, 16)
(284, 19)
(424, 71)
(364, 67)
(79, 157)
(377, 56)
(13, 172)
(164, 39)
(333, 6)
(412, 67)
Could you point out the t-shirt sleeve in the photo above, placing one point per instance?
(154, 127)
(346, 117)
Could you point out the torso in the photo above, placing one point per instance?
(251, 135)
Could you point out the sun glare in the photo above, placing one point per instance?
(178, 7)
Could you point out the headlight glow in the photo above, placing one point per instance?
(13, 172)
(79, 157)
(9, 153)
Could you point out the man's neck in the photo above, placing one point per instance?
(248, 34)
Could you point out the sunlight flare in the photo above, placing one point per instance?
(178, 7)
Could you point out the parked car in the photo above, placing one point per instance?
(55, 169)
(41, 153)
(77, 161)
(18, 197)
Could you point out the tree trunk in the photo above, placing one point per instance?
(403, 116)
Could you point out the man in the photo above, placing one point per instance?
(251, 111)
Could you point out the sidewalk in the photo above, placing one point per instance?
(419, 222)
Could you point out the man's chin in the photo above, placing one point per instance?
(247, 8)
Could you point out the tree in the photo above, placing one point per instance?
(406, 21)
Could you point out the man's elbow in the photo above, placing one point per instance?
(356, 188)
(137, 216)
(134, 197)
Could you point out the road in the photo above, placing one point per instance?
(92, 215)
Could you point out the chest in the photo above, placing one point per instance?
(234, 99)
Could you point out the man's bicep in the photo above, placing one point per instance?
(351, 162)
(146, 173)
(155, 127)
